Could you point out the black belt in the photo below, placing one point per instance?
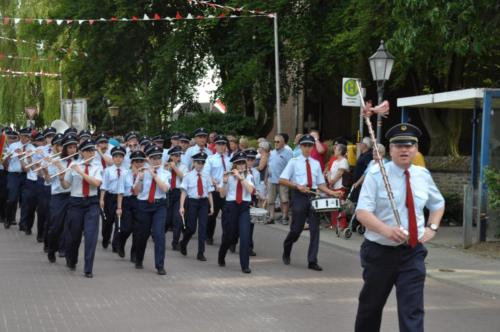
(61, 194)
(403, 246)
(156, 201)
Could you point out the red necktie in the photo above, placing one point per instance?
(152, 190)
(239, 192)
(200, 186)
(68, 162)
(412, 219)
(173, 180)
(309, 174)
(103, 163)
(118, 171)
(85, 184)
(133, 183)
(223, 163)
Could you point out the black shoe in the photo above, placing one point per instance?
(270, 222)
(45, 249)
(201, 257)
(72, 267)
(115, 250)
(132, 257)
(138, 265)
(246, 270)
(52, 257)
(286, 259)
(6, 225)
(105, 244)
(121, 252)
(39, 239)
(253, 253)
(232, 248)
(210, 242)
(183, 249)
(222, 262)
(27, 232)
(62, 254)
(315, 267)
(89, 275)
(161, 272)
(175, 247)
(13, 223)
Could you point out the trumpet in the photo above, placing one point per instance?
(68, 168)
(50, 162)
(39, 161)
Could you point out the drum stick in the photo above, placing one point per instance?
(183, 222)
(380, 161)
(119, 224)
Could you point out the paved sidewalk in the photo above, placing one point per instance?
(446, 260)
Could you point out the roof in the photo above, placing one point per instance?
(459, 99)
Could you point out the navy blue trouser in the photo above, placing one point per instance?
(236, 223)
(383, 268)
(59, 204)
(197, 213)
(43, 212)
(212, 220)
(110, 225)
(173, 215)
(15, 183)
(3, 194)
(302, 211)
(128, 223)
(151, 222)
(31, 197)
(83, 218)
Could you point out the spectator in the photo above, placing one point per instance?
(286, 138)
(419, 160)
(243, 143)
(373, 163)
(211, 143)
(319, 149)
(278, 159)
(233, 145)
(261, 162)
(335, 174)
(296, 151)
(338, 140)
(362, 163)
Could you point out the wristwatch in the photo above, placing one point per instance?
(434, 227)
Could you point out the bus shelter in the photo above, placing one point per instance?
(484, 105)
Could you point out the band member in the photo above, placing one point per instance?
(33, 191)
(110, 189)
(200, 136)
(44, 204)
(4, 142)
(127, 207)
(151, 187)
(392, 255)
(251, 157)
(84, 135)
(84, 178)
(184, 140)
(103, 155)
(59, 201)
(16, 176)
(174, 140)
(215, 167)
(177, 172)
(131, 145)
(304, 174)
(237, 188)
(197, 188)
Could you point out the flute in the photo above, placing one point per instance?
(14, 153)
(145, 168)
(68, 168)
(31, 153)
(39, 161)
(380, 162)
(52, 161)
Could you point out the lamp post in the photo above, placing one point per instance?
(113, 113)
(381, 63)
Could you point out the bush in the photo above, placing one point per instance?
(454, 208)
(235, 124)
(492, 178)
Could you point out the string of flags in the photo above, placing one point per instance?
(9, 73)
(32, 58)
(229, 8)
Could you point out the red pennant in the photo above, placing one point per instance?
(49, 21)
(6, 20)
(28, 20)
(1, 56)
(91, 22)
(178, 16)
(135, 18)
(200, 17)
(222, 15)
(113, 18)
(69, 21)
(157, 17)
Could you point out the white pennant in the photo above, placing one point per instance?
(17, 20)
(81, 22)
(146, 17)
(59, 22)
(189, 17)
(40, 21)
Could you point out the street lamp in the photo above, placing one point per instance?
(113, 113)
(381, 63)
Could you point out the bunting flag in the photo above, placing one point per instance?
(40, 46)
(238, 10)
(33, 58)
(219, 105)
(10, 72)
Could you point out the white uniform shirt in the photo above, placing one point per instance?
(98, 159)
(231, 187)
(185, 160)
(192, 151)
(165, 156)
(128, 183)
(146, 185)
(111, 182)
(76, 179)
(296, 172)
(373, 198)
(214, 168)
(55, 184)
(14, 163)
(190, 184)
(33, 176)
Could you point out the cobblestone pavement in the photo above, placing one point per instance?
(200, 296)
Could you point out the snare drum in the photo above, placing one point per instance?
(258, 215)
(325, 204)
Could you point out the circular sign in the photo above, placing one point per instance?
(351, 88)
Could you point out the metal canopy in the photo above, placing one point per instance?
(459, 99)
